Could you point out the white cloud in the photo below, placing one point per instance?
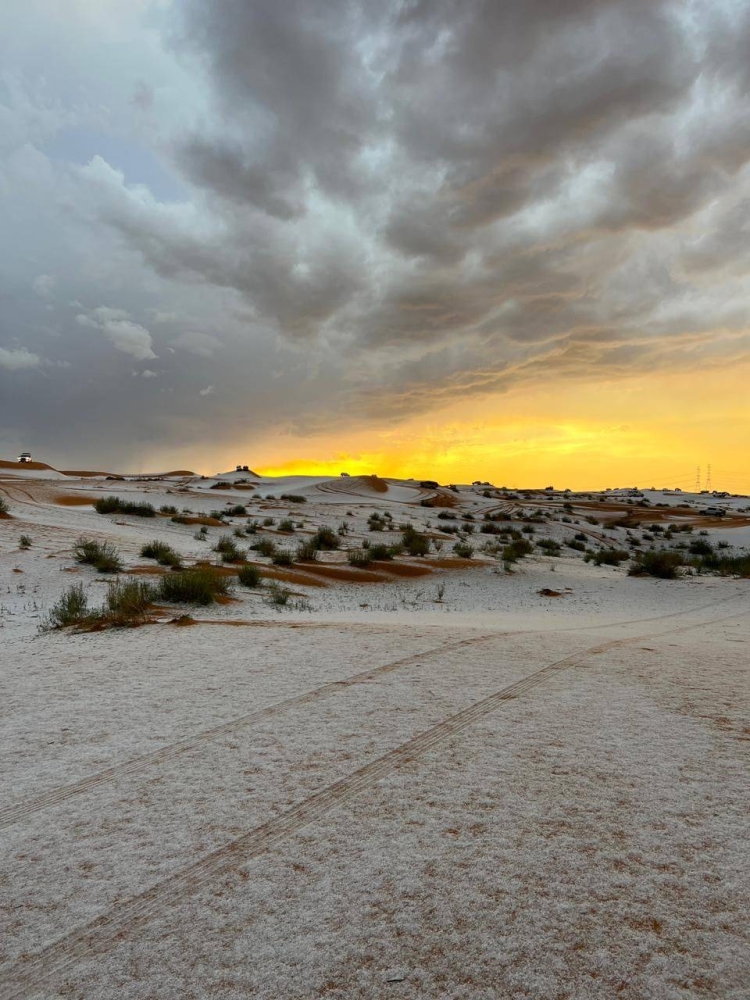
(130, 338)
(202, 344)
(147, 373)
(208, 391)
(16, 360)
(44, 285)
(116, 325)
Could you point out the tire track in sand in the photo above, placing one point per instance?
(26, 974)
(15, 812)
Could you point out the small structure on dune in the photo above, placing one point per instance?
(24, 457)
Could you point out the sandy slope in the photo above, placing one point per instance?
(496, 795)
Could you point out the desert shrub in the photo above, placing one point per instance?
(238, 533)
(360, 558)
(115, 505)
(70, 609)
(414, 543)
(283, 557)
(580, 537)
(201, 585)
(103, 556)
(268, 522)
(490, 528)
(249, 576)
(107, 505)
(463, 550)
(550, 546)
(168, 509)
(164, 554)
(251, 528)
(326, 538)
(228, 550)
(127, 601)
(447, 515)
(517, 549)
(375, 522)
(276, 594)
(610, 557)
(591, 520)
(343, 529)
(24, 542)
(574, 544)
(287, 526)
(699, 547)
(528, 529)
(179, 519)
(264, 547)
(661, 563)
(293, 498)
(382, 552)
(307, 551)
(3, 505)
(239, 510)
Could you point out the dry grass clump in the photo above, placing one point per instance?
(463, 550)
(229, 550)
(193, 586)
(70, 609)
(657, 562)
(127, 602)
(360, 558)
(307, 551)
(249, 576)
(277, 595)
(608, 557)
(264, 547)
(164, 554)
(4, 509)
(283, 557)
(115, 505)
(517, 549)
(103, 556)
(326, 539)
(414, 543)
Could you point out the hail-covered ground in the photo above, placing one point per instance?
(506, 768)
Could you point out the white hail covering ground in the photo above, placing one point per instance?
(383, 792)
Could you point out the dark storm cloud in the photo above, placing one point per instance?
(424, 198)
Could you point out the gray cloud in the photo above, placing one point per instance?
(396, 202)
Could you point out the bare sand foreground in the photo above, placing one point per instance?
(383, 792)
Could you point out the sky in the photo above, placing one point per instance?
(457, 240)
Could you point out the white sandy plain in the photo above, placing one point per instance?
(382, 794)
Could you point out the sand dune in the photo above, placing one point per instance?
(416, 777)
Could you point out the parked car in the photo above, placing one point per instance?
(714, 511)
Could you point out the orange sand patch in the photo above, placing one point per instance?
(212, 522)
(376, 484)
(289, 575)
(5, 516)
(81, 474)
(38, 466)
(73, 499)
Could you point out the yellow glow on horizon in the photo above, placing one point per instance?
(650, 430)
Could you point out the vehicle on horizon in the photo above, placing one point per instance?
(715, 511)
(24, 457)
